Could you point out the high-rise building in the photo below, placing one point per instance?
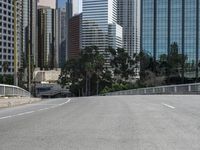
(98, 15)
(115, 36)
(63, 15)
(61, 36)
(128, 16)
(48, 31)
(74, 46)
(69, 13)
(10, 35)
(46, 37)
(30, 31)
(17, 36)
(165, 22)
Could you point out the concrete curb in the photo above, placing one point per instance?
(17, 101)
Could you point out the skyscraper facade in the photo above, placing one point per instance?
(61, 36)
(48, 31)
(30, 31)
(167, 21)
(74, 36)
(128, 16)
(46, 37)
(69, 13)
(115, 36)
(10, 35)
(97, 16)
(64, 14)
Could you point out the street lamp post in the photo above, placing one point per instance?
(15, 45)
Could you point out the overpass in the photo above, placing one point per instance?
(135, 122)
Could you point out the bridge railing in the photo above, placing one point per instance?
(12, 91)
(169, 89)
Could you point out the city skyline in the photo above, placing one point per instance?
(134, 25)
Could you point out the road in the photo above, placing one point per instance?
(103, 123)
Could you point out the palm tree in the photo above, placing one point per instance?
(89, 68)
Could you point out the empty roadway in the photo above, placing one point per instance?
(157, 122)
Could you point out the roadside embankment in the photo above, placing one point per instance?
(16, 101)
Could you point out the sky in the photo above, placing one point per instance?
(61, 3)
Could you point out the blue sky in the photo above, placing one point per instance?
(61, 2)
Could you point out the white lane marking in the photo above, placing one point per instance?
(25, 113)
(30, 112)
(42, 104)
(6, 117)
(169, 106)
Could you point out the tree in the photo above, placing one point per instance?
(93, 65)
(85, 72)
(167, 68)
(5, 67)
(125, 66)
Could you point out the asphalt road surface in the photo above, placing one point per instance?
(103, 123)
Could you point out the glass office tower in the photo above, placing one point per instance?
(167, 21)
(46, 37)
(30, 30)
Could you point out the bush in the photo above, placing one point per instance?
(9, 79)
(118, 87)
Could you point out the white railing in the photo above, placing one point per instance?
(170, 89)
(12, 91)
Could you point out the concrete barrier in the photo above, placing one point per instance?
(13, 91)
(170, 89)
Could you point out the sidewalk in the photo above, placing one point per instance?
(16, 101)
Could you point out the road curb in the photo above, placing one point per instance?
(13, 102)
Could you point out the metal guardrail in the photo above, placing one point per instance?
(11, 91)
(171, 89)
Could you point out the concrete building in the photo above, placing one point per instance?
(98, 15)
(74, 46)
(165, 22)
(10, 35)
(128, 16)
(115, 36)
